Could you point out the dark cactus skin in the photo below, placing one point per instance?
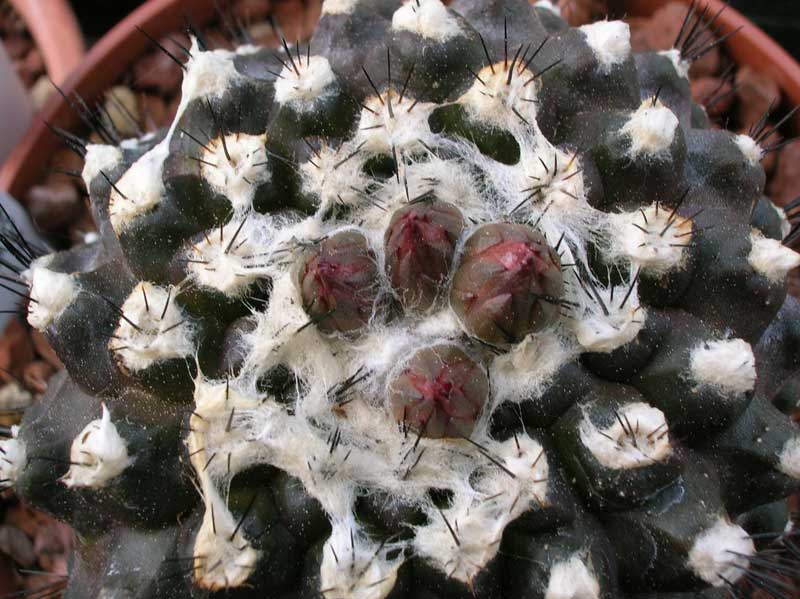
(456, 302)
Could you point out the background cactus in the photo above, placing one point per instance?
(448, 302)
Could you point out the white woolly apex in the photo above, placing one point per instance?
(728, 365)
(749, 148)
(786, 226)
(720, 554)
(303, 80)
(139, 190)
(339, 7)
(12, 457)
(213, 400)
(405, 127)
(548, 190)
(651, 129)
(681, 66)
(526, 369)
(50, 291)
(98, 454)
(354, 567)
(462, 539)
(427, 18)
(208, 74)
(152, 328)
(224, 260)
(640, 439)
(224, 557)
(610, 41)
(335, 175)
(236, 167)
(498, 91)
(653, 238)
(611, 320)
(99, 158)
(572, 579)
(770, 258)
(524, 457)
(548, 5)
(789, 458)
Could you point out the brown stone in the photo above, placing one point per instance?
(638, 27)
(248, 12)
(713, 93)
(53, 205)
(16, 350)
(785, 185)
(153, 111)
(755, 92)
(43, 349)
(36, 374)
(158, 72)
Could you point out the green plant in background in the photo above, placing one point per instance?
(448, 302)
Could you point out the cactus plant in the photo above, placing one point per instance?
(448, 302)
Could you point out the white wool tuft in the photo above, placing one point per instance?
(548, 5)
(208, 73)
(339, 7)
(749, 148)
(98, 454)
(315, 74)
(718, 553)
(493, 99)
(617, 447)
(99, 158)
(14, 457)
(681, 66)
(238, 177)
(153, 338)
(599, 330)
(651, 129)
(610, 41)
(649, 238)
(139, 190)
(770, 258)
(406, 128)
(428, 18)
(727, 365)
(370, 574)
(51, 292)
(790, 458)
(572, 579)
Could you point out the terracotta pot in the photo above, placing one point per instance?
(117, 50)
(55, 30)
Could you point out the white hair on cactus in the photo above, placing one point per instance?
(653, 238)
(237, 167)
(98, 454)
(14, 457)
(548, 5)
(100, 158)
(50, 291)
(139, 190)
(498, 91)
(651, 129)
(152, 328)
(789, 458)
(335, 176)
(208, 74)
(610, 41)
(394, 122)
(749, 148)
(786, 226)
(355, 567)
(525, 462)
(224, 558)
(428, 18)
(642, 440)
(680, 65)
(727, 365)
(612, 320)
(572, 579)
(302, 81)
(339, 7)
(720, 554)
(770, 258)
(229, 260)
(526, 368)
